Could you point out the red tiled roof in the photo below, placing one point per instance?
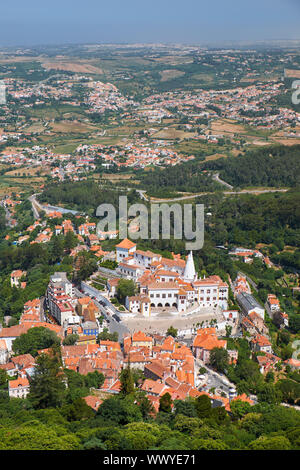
(127, 244)
(19, 382)
(93, 402)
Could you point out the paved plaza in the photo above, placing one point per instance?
(162, 321)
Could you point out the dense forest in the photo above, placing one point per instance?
(187, 177)
(271, 166)
(83, 196)
(247, 219)
(272, 218)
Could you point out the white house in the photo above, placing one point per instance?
(18, 388)
(139, 304)
(273, 304)
(130, 270)
(124, 249)
(145, 258)
(211, 292)
(15, 278)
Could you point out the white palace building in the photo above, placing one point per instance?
(167, 283)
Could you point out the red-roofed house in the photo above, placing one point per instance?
(141, 339)
(18, 388)
(124, 249)
(205, 341)
(15, 278)
(261, 343)
(93, 401)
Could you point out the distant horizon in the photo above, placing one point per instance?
(196, 22)
(220, 44)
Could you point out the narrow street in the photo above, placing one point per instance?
(103, 304)
(212, 379)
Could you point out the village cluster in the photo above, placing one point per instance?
(168, 365)
(168, 286)
(173, 315)
(249, 104)
(196, 110)
(76, 167)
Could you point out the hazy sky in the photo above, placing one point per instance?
(30, 22)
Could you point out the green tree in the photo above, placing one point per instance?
(172, 332)
(37, 436)
(270, 443)
(94, 444)
(127, 381)
(120, 410)
(289, 389)
(57, 248)
(47, 385)
(165, 403)
(219, 359)
(78, 410)
(145, 404)
(228, 329)
(219, 415)
(283, 337)
(267, 392)
(270, 376)
(3, 379)
(70, 340)
(105, 335)
(186, 424)
(185, 407)
(294, 323)
(141, 435)
(94, 379)
(86, 266)
(203, 406)
(125, 287)
(35, 339)
(286, 352)
(208, 444)
(70, 241)
(239, 408)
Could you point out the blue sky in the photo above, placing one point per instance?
(30, 22)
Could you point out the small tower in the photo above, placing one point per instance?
(189, 274)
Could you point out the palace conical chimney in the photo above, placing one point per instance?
(189, 271)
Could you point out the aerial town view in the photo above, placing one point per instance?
(150, 229)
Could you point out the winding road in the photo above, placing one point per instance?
(227, 193)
